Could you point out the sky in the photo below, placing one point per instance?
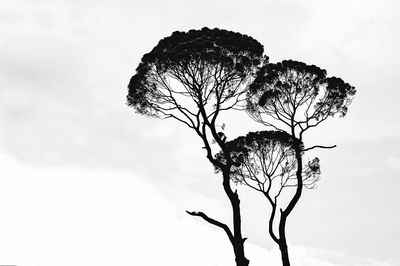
(86, 181)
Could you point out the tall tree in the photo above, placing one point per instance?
(294, 97)
(192, 77)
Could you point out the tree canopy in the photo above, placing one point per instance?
(266, 161)
(297, 95)
(211, 64)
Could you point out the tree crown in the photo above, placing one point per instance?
(261, 157)
(298, 95)
(261, 142)
(208, 62)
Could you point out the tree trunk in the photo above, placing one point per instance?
(284, 254)
(241, 261)
(282, 240)
(238, 243)
(284, 214)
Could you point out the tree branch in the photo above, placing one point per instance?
(319, 146)
(214, 222)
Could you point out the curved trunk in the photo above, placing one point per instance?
(299, 187)
(284, 214)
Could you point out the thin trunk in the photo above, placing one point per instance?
(284, 214)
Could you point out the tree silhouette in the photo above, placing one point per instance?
(192, 77)
(266, 162)
(294, 97)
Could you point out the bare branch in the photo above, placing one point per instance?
(214, 222)
(319, 146)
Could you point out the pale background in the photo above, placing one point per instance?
(86, 181)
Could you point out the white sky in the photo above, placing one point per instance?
(85, 181)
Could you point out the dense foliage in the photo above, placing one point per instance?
(208, 62)
(298, 95)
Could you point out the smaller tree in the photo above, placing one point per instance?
(266, 162)
(292, 96)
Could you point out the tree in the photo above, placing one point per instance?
(265, 161)
(192, 77)
(294, 97)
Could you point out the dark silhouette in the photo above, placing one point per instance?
(266, 162)
(294, 97)
(193, 77)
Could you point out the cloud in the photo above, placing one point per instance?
(72, 216)
(307, 256)
(393, 162)
(64, 216)
(65, 67)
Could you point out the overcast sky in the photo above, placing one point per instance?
(86, 181)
